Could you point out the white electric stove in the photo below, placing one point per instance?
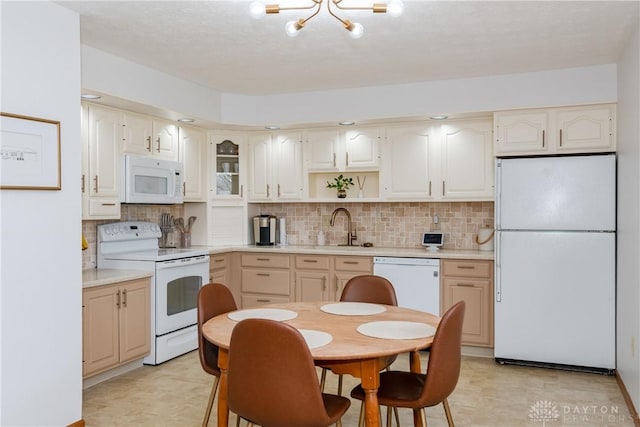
(178, 275)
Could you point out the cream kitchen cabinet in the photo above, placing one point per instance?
(101, 131)
(265, 279)
(470, 281)
(312, 278)
(193, 158)
(150, 136)
(227, 153)
(346, 267)
(352, 150)
(219, 269)
(563, 130)
(466, 161)
(451, 161)
(116, 325)
(275, 167)
(406, 172)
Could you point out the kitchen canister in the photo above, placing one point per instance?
(484, 239)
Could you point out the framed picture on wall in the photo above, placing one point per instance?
(30, 153)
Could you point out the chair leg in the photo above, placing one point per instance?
(361, 417)
(323, 378)
(339, 423)
(389, 416)
(212, 396)
(424, 416)
(340, 385)
(447, 412)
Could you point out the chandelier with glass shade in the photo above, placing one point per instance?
(392, 7)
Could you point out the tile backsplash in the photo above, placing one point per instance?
(398, 224)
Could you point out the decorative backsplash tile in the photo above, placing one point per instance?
(398, 224)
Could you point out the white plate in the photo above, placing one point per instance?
(396, 330)
(315, 338)
(353, 308)
(263, 313)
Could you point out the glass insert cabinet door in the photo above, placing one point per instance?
(227, 167)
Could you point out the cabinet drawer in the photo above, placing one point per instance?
(466, 268)
(353, 263)
(104, 207)
(249, 301)
(265, 260)
(312, 262)
(217, 262)
(266, 281)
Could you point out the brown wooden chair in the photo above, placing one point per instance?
(272, 381)
(371, 289)
(213, 299)
(417, 390)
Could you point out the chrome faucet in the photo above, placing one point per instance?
(351, 233)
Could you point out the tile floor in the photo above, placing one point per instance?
(488, 395)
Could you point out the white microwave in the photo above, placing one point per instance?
(153, 181)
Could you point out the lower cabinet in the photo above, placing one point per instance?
(470, 281)
(346, 267)
(312, 278)
(218, 269)
(265, 279)
(115, 325)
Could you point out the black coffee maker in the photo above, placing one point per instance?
(264, 230)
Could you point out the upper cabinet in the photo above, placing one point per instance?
(227, 153)
(352, 150)
(275, 167)
(100, 181)
(466, 161)
(147, 136)
(451, 161)
(565, 130)
(192, 155)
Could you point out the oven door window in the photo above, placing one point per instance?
(182, 294)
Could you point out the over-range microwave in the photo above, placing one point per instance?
(149, 180)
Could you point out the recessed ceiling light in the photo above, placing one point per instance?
(439, 117)
(272, 127)
(90, 96)
(186, 120)
(347, 123)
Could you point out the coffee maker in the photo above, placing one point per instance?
(264, 230)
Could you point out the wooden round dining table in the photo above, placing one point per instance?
(348, 352)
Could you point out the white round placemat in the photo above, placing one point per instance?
(353, 308)
(315, 338)
(396, 330)
(279, 314)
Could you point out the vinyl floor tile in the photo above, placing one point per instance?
(175, 394)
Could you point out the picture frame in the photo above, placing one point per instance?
(29, 153)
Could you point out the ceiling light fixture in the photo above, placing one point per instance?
(439, 117)
(272, 127)
(89, 96)
(186, 120)
(347, 123)
(259, 9)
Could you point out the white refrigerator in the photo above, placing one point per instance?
(555, 261)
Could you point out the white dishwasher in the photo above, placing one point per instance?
(415, 280)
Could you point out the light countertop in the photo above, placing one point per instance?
(106, 276)
(357, 251)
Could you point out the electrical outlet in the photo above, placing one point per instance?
(326, 219)
(436, 219)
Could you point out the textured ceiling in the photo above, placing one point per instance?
(218, 45)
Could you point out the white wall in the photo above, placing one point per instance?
(119, 77)
(628, 292)
(41, 262)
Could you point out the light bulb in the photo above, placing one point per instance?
(292, 28)
(395, 8)
(356, 30)
(257, 9)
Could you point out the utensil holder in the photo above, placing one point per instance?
(185, 240)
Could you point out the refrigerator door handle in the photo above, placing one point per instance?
(498, 189)
(497, 281)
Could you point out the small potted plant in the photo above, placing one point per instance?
(342, 184)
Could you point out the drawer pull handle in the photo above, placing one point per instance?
(467, 267)
(218, 260)
(108, 204)
(263, 274)
(467, 285)
(118, 299)
(309, 260)
(351, 262)
(263, 300)
(262, 259)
